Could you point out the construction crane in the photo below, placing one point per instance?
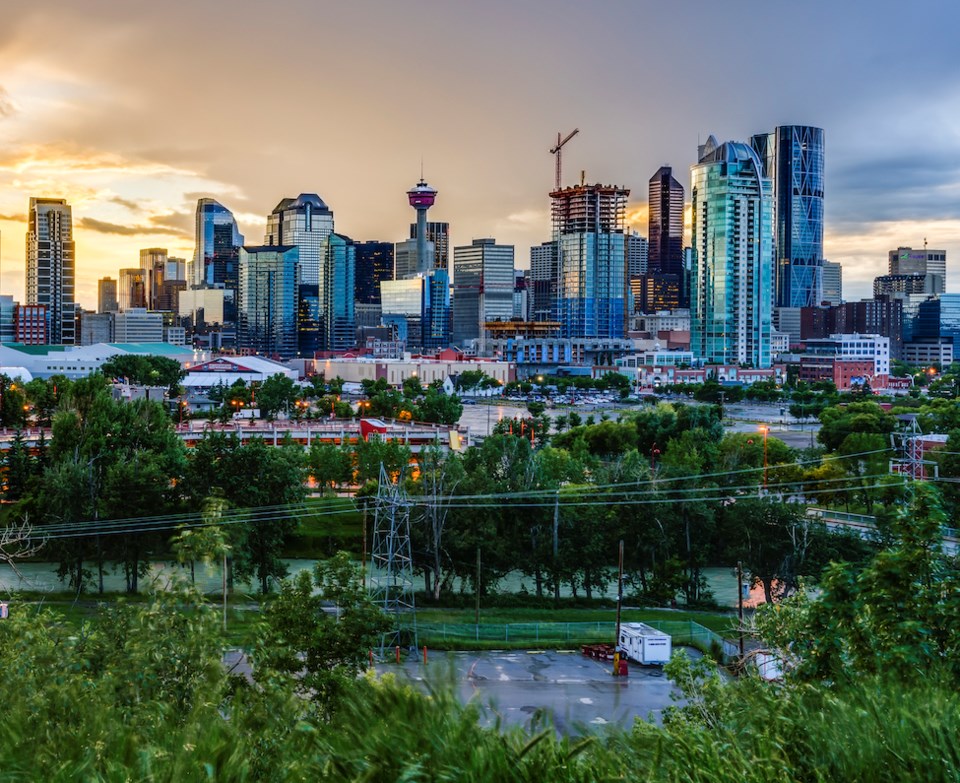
(556, 151)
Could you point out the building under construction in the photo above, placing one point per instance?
(591, 282)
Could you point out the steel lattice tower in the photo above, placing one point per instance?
(391, 572)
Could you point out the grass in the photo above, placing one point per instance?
(721, 623)
(326, 526)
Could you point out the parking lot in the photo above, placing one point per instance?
(579, 693)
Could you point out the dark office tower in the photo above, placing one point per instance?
(374, 263)
(50, 266)
(439, 234)
(792, 157)
(665, 223)
(216, 258)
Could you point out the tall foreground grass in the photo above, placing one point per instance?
(874, 731)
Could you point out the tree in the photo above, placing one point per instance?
(277, 393)
(440, 475)
(439, 407)
(146, 371)
(330, 465)
(320, 653)
(894, 617)
(773, 540)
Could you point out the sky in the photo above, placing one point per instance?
(132, 110)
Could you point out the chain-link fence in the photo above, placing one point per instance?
(681, 631)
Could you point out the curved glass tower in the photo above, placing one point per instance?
(730, 292)
(217, 256)
(792, 157)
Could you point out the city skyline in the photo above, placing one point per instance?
(87, 117)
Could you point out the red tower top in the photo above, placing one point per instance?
(422, 195)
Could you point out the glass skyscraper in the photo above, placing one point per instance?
(374, 264)
(792, 158)
(51, 266)
(217, 254)
(730, 293)
(267, 310)
(483, 285)
(339, 269)
(665, 255)
(305, 222)
(588, 228)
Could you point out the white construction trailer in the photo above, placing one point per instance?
(644, 644)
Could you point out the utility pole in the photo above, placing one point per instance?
(477, 586)
(619, 591)
(740, 604)
(556, 546)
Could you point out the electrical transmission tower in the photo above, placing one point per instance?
(391, 577)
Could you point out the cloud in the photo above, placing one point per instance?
(133, 206)
(7, 107)
(21, 218)
(103, 227)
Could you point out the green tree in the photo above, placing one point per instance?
(277, 393)
(320, 654)
(894, 617)
(330, 465)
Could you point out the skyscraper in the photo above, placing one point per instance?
(439, 235)
(217, 252)
(731, 275)
(374, 263)
(107, 301)
(665, 220)
(483, 287)
(267, 305)
(588, 227)
(832, 282)
(543, 281)
(50, 266)
(792, 158)
(305, 222)
(153, 262)
(133, 289)
(339, 264)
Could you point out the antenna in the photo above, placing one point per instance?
(555, 151)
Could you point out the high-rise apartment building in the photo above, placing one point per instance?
(50, 266)
(832, 280)
(483, 288)
(339, 265)
(792, 158)
(732, 266)
(107, 299)
(638, 255)
(588, 227)
(305, 222)
(374, 263)
(267, 306)
(665, 221)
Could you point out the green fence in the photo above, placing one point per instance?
(681, 631)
